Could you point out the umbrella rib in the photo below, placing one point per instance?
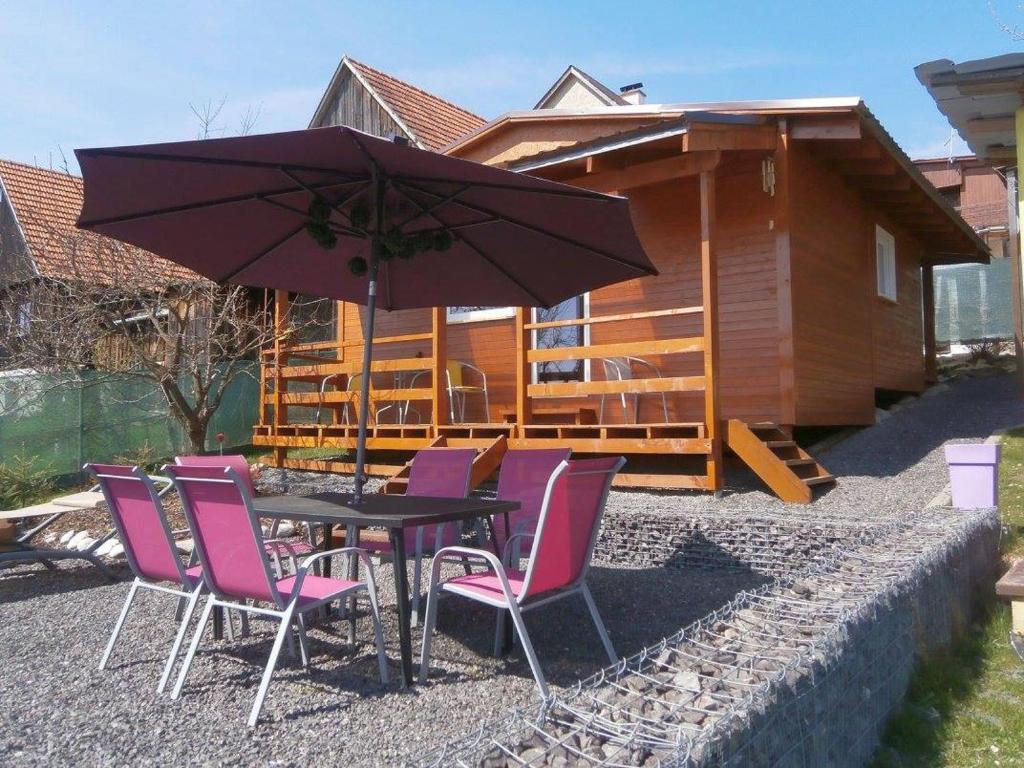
(266, 252)
(584, 194)
(526, 289)
(341, 230)
(212, 161)
(544, 232)
(335, 206)
(204, 204)
(429, 210)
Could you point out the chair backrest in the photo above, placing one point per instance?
(454, 368)
(617, 369)
(235, 461)
(226, 532)
(140, 521)
(440, 472)
(523, 477)
(569, 523)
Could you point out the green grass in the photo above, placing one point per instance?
(965, 706)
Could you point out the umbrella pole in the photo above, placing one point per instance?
(364, 382)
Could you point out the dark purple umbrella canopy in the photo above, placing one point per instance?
(337, 213)
(236, 210)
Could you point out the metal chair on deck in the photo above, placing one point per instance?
(459, 388)
(621, 369)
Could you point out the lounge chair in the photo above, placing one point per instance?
(570, 518)
(236, 567)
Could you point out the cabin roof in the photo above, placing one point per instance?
(430, 121)
(954, 241)
(46, 205)
(979, 98)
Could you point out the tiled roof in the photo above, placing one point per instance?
(46, 204)
(434, 122)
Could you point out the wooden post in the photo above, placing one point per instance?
(280, 410)
(439, 373)
(709, 284)
(784, 278)
(928, 317)
(523, 343)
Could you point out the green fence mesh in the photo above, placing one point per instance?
(62, 422)
(973, 302)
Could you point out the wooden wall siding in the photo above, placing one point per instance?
(667, 219)
(897, 327)
(352, 105)
(983, 198)
(847, 340)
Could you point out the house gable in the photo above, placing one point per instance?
(15, 260)
(369, 100)
(575, 89)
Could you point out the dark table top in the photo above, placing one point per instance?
(379, 510)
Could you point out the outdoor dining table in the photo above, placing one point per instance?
(396, 514)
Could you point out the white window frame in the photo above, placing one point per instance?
(534, 370)
(455, 315)
(885, 264)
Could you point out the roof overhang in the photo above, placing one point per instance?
(677, 139)
(979, 98)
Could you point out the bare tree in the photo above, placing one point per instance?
(1008, 27)
(124, 312)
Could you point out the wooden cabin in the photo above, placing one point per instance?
(795, 243)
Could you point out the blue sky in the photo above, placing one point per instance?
(76, 74)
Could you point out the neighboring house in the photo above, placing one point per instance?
(794, 240)
(39, 242)
(974, 303)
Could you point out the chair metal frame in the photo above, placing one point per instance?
(285, 607)
(614, 370)
(459, 393)
(517, 605)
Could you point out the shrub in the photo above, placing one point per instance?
(144, 456)
(23, 483)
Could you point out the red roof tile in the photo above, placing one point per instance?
(46, 204)
(434, 121)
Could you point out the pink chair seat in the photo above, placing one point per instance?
(487, 585)
(377, 547)
(315, 589)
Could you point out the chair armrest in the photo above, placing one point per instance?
(478, 371)
(646, 363)
(458, 553)
(168, 483)
(508, 549)
(362, 554)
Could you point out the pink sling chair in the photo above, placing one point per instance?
(149, 547)
(437, 472)
(570, 519)
(523, 477)
(276, 548)
(236, 567)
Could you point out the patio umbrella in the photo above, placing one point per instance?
(337, 213)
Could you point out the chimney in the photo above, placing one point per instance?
(633, 93)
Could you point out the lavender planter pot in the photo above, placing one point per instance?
(974, 475)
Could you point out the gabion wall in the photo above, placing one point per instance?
(801, 672)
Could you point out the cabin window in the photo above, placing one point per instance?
(885, 263)
(562, 336)
(315, 319)
(476, 314)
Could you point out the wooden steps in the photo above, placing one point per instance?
(784, 466)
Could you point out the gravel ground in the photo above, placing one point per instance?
(57, 709)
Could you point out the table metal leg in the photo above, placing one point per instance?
(352, 540)
(327, 546)
(402, 595)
